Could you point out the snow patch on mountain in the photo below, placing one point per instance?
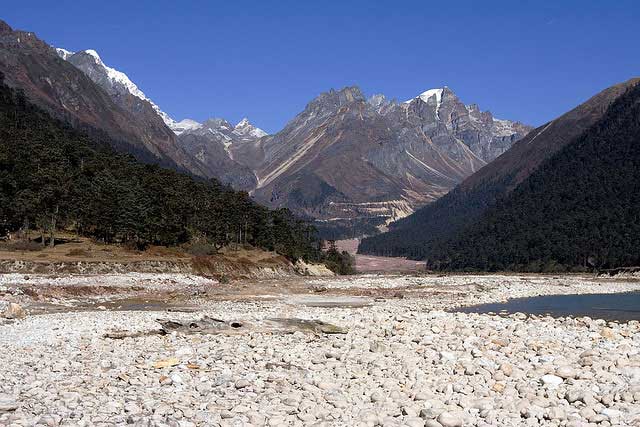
(185, 125)
(428, 94)
(244, 128)
(431, 92)
(119, 79)
(63, 53)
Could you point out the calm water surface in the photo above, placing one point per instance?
(621, 307)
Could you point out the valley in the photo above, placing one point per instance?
(242, 231)
(348, 162)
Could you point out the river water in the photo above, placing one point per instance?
(621, 307)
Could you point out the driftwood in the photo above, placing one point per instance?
(210, 325)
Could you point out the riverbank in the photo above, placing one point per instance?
(402, 361)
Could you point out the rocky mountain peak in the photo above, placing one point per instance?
(5, 28)
(63, 53)
(216, 123)
(185, 125)
(337, 98)
(246, 129)
(377, 100)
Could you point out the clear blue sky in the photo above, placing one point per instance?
(522, 60)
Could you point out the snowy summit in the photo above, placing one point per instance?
(245, 128)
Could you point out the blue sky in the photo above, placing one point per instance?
(522, 60)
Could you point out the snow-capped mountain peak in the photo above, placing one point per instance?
(431, 92)
(245, 128)
(63, 53)
(427, 94)
(116, 77)
(185, 125)
(117, 83)
(242, 123)
(112, 80)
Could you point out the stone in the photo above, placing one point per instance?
(556, 413)
(574, 394)
(13, 311)
(506, 369)
(607, 333)
(447, 419)
(498, 387)
(566, 372)
(242, 383)
(7, 403)
(551, 381)
(377, 396)
(447, 356)
(414, 422)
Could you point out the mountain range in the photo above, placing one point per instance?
(351, 163)
(356, 164)
(544, 203)
(417, 151)
(443, 180)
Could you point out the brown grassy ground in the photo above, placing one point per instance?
(74, 249)
(379, 264)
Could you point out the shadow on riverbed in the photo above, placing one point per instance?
(614, 307)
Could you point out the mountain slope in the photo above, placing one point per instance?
(56, 85)
(53, 177)
(580, 209)
(200, 148)
(355, 164)
(115, 82)
(210, 143)
(154, 124)
(417, 235)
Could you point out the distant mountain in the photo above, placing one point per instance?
(210, 142)
(184, 126)
(247, 131)
(350, 163)
(450, 222)
(355, 164)
(205, 144)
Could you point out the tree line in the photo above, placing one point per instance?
(54, 177)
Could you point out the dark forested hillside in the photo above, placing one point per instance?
(418, 235)
(579, 210)
(54, 177)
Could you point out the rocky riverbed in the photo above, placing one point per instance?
(398, 360)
